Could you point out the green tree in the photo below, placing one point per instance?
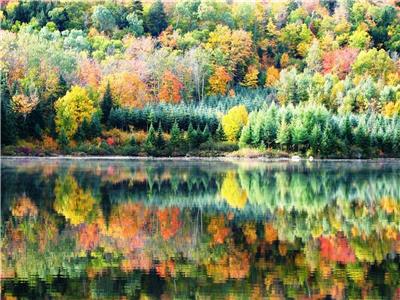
(176, 138)
(137, 8)
(94, 127)
(283, 135)
(156, 20)
(103, 19)
(106, 104)
(206, 134)
(219, 133)
(63, 140)
(135, 24)
(8, 121)
(191, 136)
(160, 142)
(151, 139)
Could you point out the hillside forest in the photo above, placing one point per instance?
(200, 78)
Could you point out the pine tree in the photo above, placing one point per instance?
(63, 140)
(283, 135)
(220, 134)
(156, 20)
(246, 136)
(327, 141)
(83, 131)
(94, 127)
(106, 104)
(160, 142)
(206, 134)
(199, 136)
(175, 135)
(191, 136)
(316, 139)
(8, 121)
(150, 142)
(137, 8)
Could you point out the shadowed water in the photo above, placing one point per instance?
(215, 230)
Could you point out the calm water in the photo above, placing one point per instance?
(178, 230)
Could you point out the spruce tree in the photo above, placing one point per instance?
(8, 120)
(137, 8)
(150, 142)
(219, 133)
(191, 135)
(160, 138)
(199, 136)
(106, 105)
(156, 20)
(83, 131)
(246, 136)
(175, 135)
(283, 135)
(62, 140)
(316, 139)
(206, 134)
(94, 127)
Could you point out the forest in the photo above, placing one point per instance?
(200, 78)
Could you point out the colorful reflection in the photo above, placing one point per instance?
(110, 229)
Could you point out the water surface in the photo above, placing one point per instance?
(114, 229)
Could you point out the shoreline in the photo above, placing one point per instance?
(198, 158)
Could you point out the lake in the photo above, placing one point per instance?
(113, 229)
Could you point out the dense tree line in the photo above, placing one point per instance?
(72, 70)
(313, 129)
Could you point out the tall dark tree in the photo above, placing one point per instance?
(137, 8)
(8, 124)
(156, 20)
(106, 105)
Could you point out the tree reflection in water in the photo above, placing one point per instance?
(197, 229)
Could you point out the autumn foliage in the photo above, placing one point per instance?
(219, 81)
(171, 88)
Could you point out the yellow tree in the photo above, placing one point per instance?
(72, 109)
(272, 76)
(127, 89)
(251, 77)
(233, 122)
(235, 46)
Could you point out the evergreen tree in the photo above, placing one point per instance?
(283, 135)
(347, 131)
(206, 134)
(245, 136)
(316, 139)
(175, 135)
(191, 136)
(396, 141)
(63, 140)
(137, 8)
(83, 131)
(106, 105)
(219, 133)
(160, 138)
(94, 127)
(156, 20)
(327, 142)
(361, 137)
(8, 120)
(199, 136)
(150, 142)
